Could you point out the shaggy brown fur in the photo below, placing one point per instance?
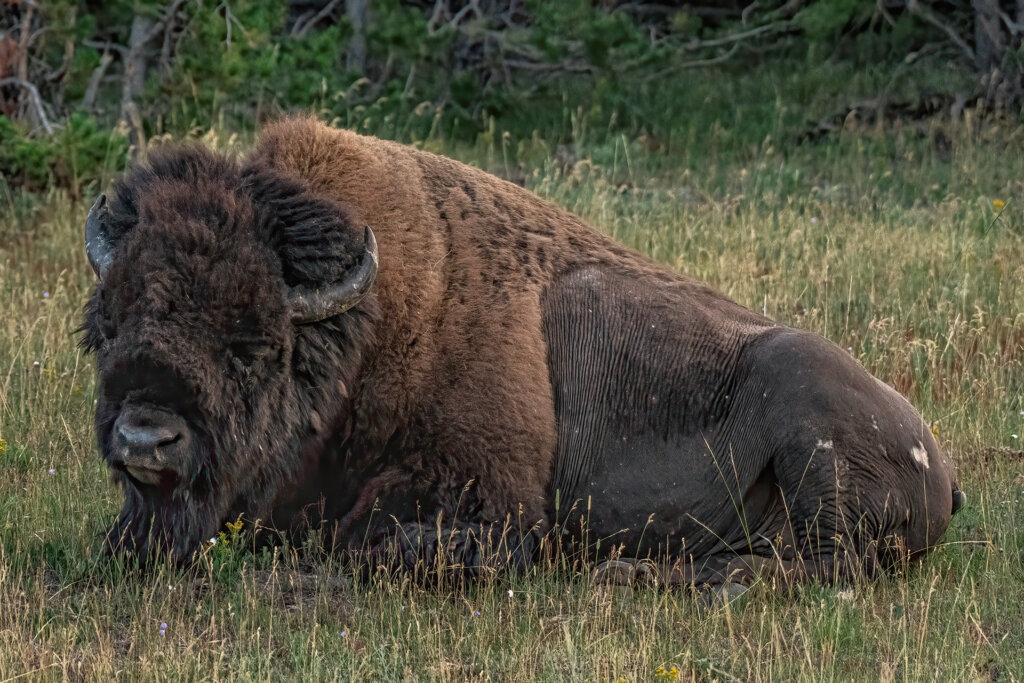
(504, 344)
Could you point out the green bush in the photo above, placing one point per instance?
(78, 154)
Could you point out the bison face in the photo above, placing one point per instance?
(224, 341)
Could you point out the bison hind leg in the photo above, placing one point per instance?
(746, 569)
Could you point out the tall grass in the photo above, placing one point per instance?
(884, 243)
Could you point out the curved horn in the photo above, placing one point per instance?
(97, 244)
(310, 306)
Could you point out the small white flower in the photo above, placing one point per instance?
(53, 471)
(510, 592)
(814, 219)
(1012, 435)
(213, 541)
(46, 295)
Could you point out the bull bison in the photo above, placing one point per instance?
(497, 370)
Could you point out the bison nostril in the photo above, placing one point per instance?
(147, 440)
(144, 451)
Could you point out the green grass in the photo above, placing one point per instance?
(882, 242)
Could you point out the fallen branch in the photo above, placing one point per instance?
(36, 100)
(565, 65)
(878, 110)
(697, 44)
(915, 7)
(695, 64)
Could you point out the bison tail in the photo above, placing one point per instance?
(959, 499)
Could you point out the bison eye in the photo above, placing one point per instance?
(107, 329)
(242, 354)
(245, 354)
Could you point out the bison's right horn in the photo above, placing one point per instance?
(310, 306)
(97, 244)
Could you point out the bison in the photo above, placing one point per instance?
(429, 362)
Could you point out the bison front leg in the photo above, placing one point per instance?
(466, 550)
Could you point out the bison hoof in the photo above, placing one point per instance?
(622, 573)
(723, 594)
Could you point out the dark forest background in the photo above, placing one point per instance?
(85, 85)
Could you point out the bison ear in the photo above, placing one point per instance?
(97, 243)
(312, 305)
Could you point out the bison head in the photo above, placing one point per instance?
(230, 317)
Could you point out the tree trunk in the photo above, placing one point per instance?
(1001, 80)
(356, 11)
(134, 81)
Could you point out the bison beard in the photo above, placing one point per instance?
(498, 370)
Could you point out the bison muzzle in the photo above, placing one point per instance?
(428, 362)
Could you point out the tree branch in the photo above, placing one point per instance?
(724, 57)
(95, 80)
(169, 13)
(36, 100)
(435, 16)
(316, 19)
(915, 7)
(697, 44)
(69, 54)
(107, 46)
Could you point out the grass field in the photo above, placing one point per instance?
(906, 247)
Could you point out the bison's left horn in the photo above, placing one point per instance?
(312, 305)
(97, 243)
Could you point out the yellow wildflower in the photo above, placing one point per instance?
(663, 674)
(998, 204)
(3, 445)
(234, 529)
